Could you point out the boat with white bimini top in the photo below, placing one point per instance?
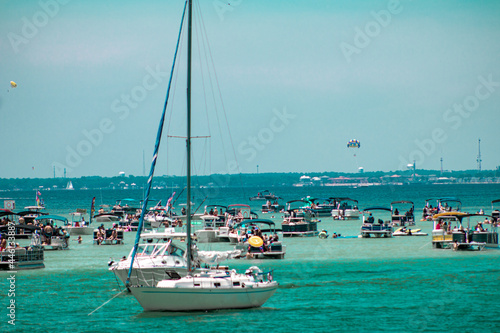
(345, 209)
(379, 228)
(207, 290)
(462, 231)
(78, 225)
(399, 219)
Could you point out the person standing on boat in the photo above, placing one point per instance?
(371, 219)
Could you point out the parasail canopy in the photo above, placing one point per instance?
(353, 144)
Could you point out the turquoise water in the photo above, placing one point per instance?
(347, 284)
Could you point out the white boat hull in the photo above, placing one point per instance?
(201, 299)
(79, 230)
(349, 214)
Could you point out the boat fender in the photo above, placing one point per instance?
(243, 285)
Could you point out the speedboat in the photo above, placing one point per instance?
(379, 228)
(265, 195)
(162, 255)
(403, 231)
(460, 231)
(345, 209)
(78, 225)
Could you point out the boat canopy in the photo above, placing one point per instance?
(377, 208)
(343, 199)
(28, 212)
(495, 201)
(451, 214)
(255, 221)
(402, 202)
(52, 217)
(5, 228)
(4, 212)
(450, 199)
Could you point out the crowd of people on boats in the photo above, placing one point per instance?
(110, 234)
(254, 231)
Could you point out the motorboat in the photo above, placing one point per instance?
(398, 218)
(298, 222)
(462, 231)
(158, 217)
(272, 206)
(256, 242)
(197, 291)
(53, 237)
(495, 212)
(345, 209)
(218, 223)
(162, 255)
(77, 225)
(265, 195)
(372, 228)
(320, 207)
(404, 231)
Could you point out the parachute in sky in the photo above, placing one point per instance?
(353, 144)
(13, 84)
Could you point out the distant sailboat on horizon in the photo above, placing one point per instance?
(69, 186)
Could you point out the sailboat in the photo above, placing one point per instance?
(69, 186)
(206, 290)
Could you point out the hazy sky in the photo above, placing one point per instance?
(411, 80)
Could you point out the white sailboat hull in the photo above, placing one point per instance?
(200, 299)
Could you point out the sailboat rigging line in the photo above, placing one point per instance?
(212, 89)
(176, 76)
(109, 300)
(199, 206)
(155, 155)
(178, 196)
(221, 101)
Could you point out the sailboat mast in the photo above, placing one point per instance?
(188, 139)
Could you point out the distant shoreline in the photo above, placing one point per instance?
(260, 180)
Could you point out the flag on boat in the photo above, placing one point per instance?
(92, 209)
(169, 202)
(39, 201)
